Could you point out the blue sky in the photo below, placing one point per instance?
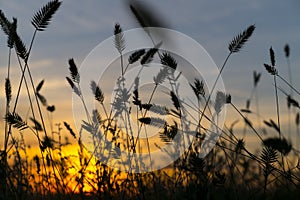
(79, 26)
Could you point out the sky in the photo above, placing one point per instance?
(77, 28)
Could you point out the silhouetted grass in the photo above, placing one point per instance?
(229, 171)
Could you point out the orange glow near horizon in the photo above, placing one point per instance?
(70, 159)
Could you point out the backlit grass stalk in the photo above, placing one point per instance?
(287, 54)
(234, 46)
(40, 21)
(273, 71)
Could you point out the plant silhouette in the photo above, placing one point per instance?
(231, 170)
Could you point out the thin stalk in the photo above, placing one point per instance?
(122, 65)
(84, 104)
(126, 67)
(257, 109)
(277, 106)
(29, 98)
(33, 87)
(290, 74)
(148, 148)
(6, 132)
(289, 123)
(33, 115)
(6, 135)
(214, 85)
(291, 94)
(286, 82)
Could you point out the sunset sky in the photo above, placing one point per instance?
(79, 26)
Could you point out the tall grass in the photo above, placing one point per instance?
(230, 170)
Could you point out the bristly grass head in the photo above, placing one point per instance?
(220, 101)
(42, 99)
(175, 100)
(9, 28)
(135, 56)
(169, 133)
(43, 17)
(287, 50)
(272, 57)
(271, 69)
(37, 125)
(73, 86)
(147, 58)
(256, 78)
(99, 96)
(74, 71)
(153, 121)
(12, 31)
(158, 109)
(136, 100)
(139, 18)
(169, 61)
(20, 47)
(7, 90)
(39, 86)
(68, 127)
(161, 76)
(238, 42)
(16, 121)
(198, 88)
(51, 108)
(119, 38)
(269, 155)
(145, 16)
(5, 23)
